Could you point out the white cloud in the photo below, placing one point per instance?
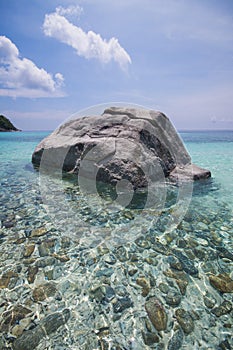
(89, 45)
(72, 12)
(20, 77)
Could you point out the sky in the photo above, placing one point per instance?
(60, 57)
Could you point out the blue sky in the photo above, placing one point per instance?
(58, 57)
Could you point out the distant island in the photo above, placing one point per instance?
(6, 125)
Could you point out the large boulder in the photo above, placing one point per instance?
(123, 143)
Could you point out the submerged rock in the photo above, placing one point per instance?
(176, 341)
(187, 264)
(44, 291)
(209, 300)
(180, 277)
(173, 298)
(156, 313)
(222, 282)
(38, 232)
(223, 309)
(30, 339)
(7, 278)
(224, 345)
(138, 145)
(144, 283)
(28, 250)
(120, 304)
(224, 253)
(14, 315)
(185, 320)
(31, 273)
(150, 338)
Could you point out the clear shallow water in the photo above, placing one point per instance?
(104, 285)
(214, 150)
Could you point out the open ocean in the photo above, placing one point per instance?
(70, 291)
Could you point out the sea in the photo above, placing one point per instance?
(79, 274)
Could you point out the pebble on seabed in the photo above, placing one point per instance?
(111, 289)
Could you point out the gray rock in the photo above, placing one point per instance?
(12, 316)
(30, 339)
(173, 298)
(43, 250)
(189, 172)
(107, 272)
(120, 304)
(123, 143)
(159, 247)
(141, 242)
(176, 340)
(46, 261)
(110, 259)
(175, 263)
(121, 253)
(52, 322)
(163, 287)
(98, 292)
(223, 309)
(44, 291)
(202, 226)
(187, 264)
(150, 338)
(224, 253)
(209, 300)
(185, 320)
(224, 345)
(109, 293)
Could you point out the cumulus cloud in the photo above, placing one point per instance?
(88, 45)
(20, 77)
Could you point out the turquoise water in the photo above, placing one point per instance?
(214, 150)
(101, 284)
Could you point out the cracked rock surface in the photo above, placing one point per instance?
(137, 145)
